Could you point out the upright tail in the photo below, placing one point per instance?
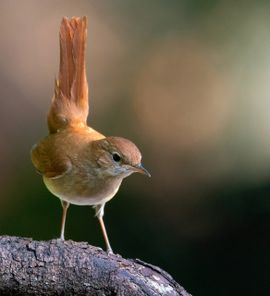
(69, 105)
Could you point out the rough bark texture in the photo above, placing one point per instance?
(56, 267)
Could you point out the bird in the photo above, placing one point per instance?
(78, 164)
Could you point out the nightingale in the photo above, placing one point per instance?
(79, 165)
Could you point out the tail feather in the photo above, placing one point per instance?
(69, 105)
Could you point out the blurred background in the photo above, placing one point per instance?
(189, 82)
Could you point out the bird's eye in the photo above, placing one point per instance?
(116, 157)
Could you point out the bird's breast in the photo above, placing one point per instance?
(83, 190)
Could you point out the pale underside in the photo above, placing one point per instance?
(82, 199)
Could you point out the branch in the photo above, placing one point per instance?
(56, 267)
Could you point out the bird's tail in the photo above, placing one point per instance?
(69, 105)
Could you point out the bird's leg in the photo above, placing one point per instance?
(99, 214)
(65, 206)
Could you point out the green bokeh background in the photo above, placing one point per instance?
(188, 81)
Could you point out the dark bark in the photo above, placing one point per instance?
(56, 267)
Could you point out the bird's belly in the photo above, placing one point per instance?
(84, 200)
(84, 195)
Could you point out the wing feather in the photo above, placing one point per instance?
(48, 161)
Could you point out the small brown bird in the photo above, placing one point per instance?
(80, 165)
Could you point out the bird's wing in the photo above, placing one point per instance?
(48, 162)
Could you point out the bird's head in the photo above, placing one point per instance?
(118, 156)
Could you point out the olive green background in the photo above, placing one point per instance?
(188, 82)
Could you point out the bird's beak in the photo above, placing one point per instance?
(140, 169)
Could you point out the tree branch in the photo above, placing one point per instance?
(56, 267)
